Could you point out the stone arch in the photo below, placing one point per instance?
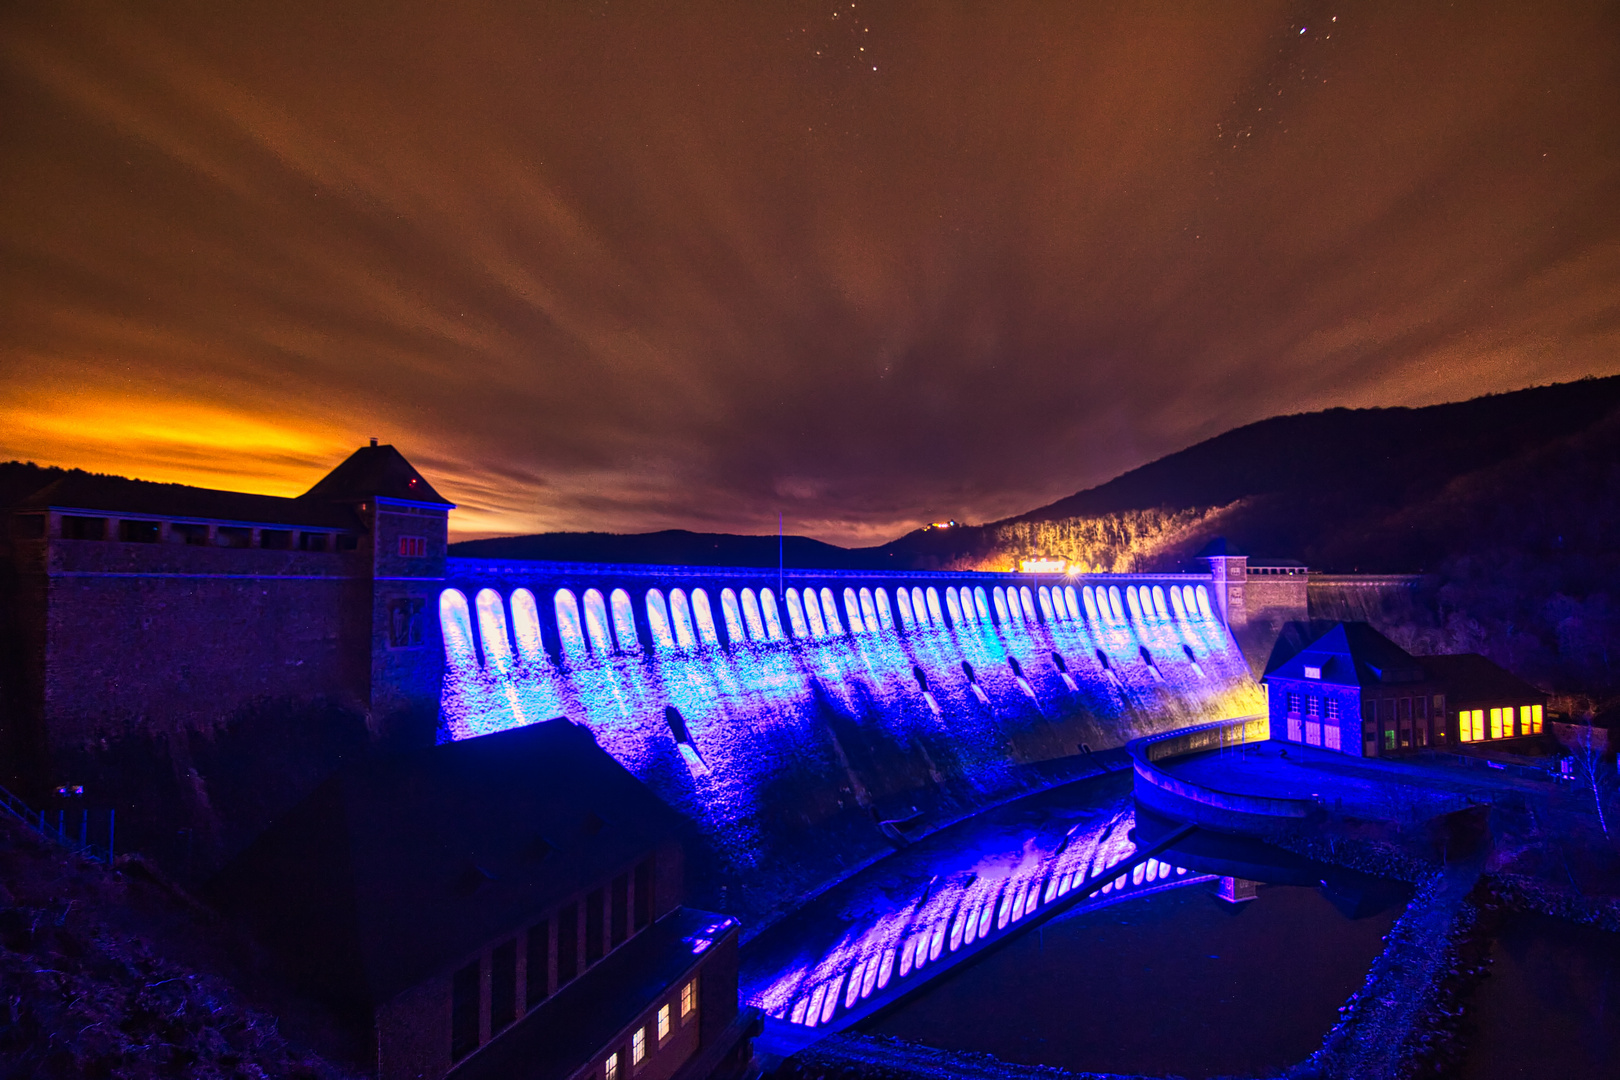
(455, 623)
(703, 616)
(829, 611)
(596, 623)
(680, 615)
(569, 631)
(624, 621)
(658, 621)
(526, 629)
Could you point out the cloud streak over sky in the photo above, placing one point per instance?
(632, 266)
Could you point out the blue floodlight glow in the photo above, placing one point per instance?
(827, 719)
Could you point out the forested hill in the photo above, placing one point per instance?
(1391, 456)
(674, 547)
(1372, 490)
(1385, 490)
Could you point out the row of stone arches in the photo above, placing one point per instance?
(598, 624)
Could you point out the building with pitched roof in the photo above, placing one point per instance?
(1355, 691)
(145, 626)
(506, 906)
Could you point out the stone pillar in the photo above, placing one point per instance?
(1236, 890)
(1229, 578)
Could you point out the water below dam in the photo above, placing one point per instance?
(1551, 1005)
(1176, 982)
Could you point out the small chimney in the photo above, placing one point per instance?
(374, 440)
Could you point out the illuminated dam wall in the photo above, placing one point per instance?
(803, 721)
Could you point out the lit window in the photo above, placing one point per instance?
(1535, 720)
(610, 1067)
(1496, 723)
(1313, 672)
(1293, 702)
(638, 1046)
(412, 547)
(688, 1000)
(1332, 707)
(1313, 705)
(1330, 737)
(663, 1022)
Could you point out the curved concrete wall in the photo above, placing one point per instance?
(790, 731)
(1200, 803)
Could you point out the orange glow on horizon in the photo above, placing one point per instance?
(168, 441)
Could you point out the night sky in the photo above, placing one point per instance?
(632, 266)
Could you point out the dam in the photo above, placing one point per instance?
(806, 722)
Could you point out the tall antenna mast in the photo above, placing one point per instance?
(780, 592)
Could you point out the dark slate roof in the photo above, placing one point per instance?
(585, 1015)
(1474, 679)
(369, 472)
(1353, 654)
(379, 471)
(116, 495)
(400, 866)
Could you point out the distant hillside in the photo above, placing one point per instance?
(1341, 490)
(1344, 490)
(674, 547)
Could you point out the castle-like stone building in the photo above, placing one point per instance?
(209, 636)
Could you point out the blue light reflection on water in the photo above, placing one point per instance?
(949, 913)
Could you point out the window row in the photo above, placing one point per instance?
(194, 534)
(1471, 723)
(1313, 705)
(555, 951)
(651, 1035)
(602, 625)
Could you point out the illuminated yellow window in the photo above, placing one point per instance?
(1496, 723)
(663, 1023)
(1535, 719)
(1471, 724)
(688, 1000)
(610, 1067)
(638, 1046)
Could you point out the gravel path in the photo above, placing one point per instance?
(1389, 1025)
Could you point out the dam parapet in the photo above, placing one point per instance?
(809, 721)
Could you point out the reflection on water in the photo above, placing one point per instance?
(1178, 982)
(1551, 1006)
(976, 902)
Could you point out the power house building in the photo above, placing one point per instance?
(1354, 691)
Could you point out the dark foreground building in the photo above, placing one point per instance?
(202, 658)
(1355, 691)
(502, 907)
